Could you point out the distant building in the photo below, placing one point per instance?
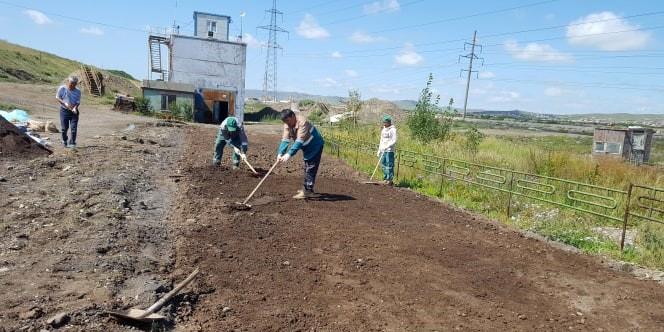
(161, 93)
(213, 64)
(631, 143)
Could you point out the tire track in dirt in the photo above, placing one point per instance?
(372, 258)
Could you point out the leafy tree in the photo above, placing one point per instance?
(428, 122)
(354, 104)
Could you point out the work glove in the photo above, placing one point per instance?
(284, 157)
(243, 156)
(237, 151)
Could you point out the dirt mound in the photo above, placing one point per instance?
(374, 109)
(15, 143)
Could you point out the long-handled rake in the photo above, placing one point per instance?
(375, 169)
(243, 205)
(248, 164)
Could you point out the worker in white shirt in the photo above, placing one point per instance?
(388, 141)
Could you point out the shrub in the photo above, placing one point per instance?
(306, 102)
(143, 105)
(473, 139)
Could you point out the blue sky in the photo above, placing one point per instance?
(559, 56)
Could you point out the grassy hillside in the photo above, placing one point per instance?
(20, 64)
(24, 65)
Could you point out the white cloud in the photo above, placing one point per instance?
(537, 52)
(92, 30)
(310, 29)
(408, 56)
(505, 96)
(250, 40)
(363, 38)
(553, 91)
(385, 6)
(486, 75)
(327, 82)
(351, 73)
(337, 54)
(38, 17)
(596, 34)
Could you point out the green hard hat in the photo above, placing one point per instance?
(231, 124)
(387, 118)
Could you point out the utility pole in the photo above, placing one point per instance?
(470, 70)
(270, 76)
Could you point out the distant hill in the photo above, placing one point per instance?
(284, 95)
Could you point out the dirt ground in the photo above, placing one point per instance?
(117, 222)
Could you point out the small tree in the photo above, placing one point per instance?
(186, 111)
(423, 121)
(474, 138)
(354, 104)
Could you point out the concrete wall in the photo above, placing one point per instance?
(210, 64)
(155, 97)
(201, 30)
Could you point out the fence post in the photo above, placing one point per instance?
(624, 230)
(509, 197)
(398, 163)
(357, 152)
(442, 177)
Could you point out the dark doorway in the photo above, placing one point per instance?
(220, 111)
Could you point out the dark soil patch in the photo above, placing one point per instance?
(376, 258)
(17, 144)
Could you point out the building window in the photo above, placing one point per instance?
(211, 26)
(600, 146)
(167, 100)
(613, 148)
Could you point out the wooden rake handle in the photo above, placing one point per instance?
(153, 308)
(376, 168)
(248, 164)
(259, 183)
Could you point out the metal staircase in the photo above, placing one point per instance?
(154, 46)
(92, 80)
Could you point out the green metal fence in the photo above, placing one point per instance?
(618, 205)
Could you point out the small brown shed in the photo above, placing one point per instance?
(631, 143)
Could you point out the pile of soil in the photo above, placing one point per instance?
(15, 143)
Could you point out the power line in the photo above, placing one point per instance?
(584, 84)
(519, 32)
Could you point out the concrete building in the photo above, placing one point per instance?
(213, 64)
(161, 93)
(632, 143)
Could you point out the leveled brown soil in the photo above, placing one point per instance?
(370, 258)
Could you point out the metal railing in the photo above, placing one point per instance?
(618, 205)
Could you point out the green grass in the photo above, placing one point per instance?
(24, 65)
(121, 73)
(557, 156)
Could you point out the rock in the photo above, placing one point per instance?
(286, 263)
(2, 179)
(33, 313)
(226, 309)
(523, 317)
(66, 168)
(58, 320)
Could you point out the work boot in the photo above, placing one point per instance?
(235, 167)
(216, 163)
(302, 194)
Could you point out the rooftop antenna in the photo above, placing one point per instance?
(241, 16)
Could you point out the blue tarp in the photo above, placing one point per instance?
(15, 115)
